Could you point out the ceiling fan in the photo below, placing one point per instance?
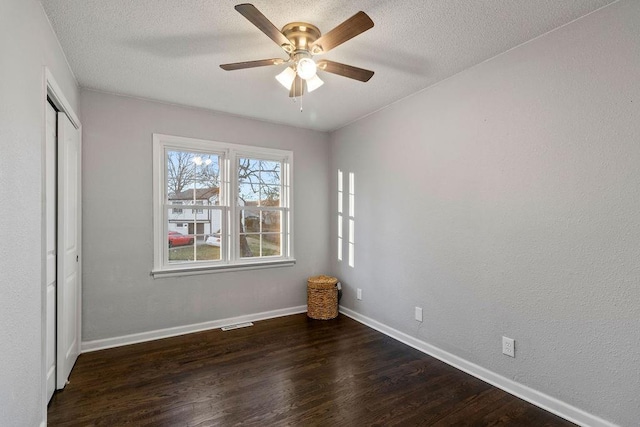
(301, 41)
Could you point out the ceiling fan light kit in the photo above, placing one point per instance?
(286, 77)
(301, 40)
(314, 83)
(306, 68)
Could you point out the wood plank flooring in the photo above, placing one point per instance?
(286, 371)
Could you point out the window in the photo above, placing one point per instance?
(352, 221)
(243, 195)
(340, 195)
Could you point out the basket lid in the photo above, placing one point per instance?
(322, 281)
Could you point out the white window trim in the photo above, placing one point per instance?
(229, 154)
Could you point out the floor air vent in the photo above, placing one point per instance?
(236, 326)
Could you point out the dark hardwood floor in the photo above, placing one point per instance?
(287, 371)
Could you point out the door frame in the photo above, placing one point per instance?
(52, 91)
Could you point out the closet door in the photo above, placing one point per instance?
(69, 274)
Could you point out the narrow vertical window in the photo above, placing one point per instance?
(352, 195)
(352, 210)
(340, 195)
(339, 191)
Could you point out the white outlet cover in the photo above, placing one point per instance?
(418, 314)
(509, 346)
(359, 293)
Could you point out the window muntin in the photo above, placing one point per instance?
(225, 181)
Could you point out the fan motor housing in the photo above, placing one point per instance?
(301, 34)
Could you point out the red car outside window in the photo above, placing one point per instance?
(179, 239)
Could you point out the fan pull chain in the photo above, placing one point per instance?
(295, 98)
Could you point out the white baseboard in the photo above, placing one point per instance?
(102, 344)
(544, 401)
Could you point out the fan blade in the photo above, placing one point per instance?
(297, 88)
(252, 64)
(256, 17)
(357, 24)
(345, 70)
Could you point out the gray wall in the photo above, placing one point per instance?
(27, 44)
(119, 295)
(506, 201)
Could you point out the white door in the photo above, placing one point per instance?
(69, 315)
(50, 197)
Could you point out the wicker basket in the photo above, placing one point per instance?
(322, 297)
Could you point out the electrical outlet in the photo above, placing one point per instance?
(508, 346)
(359, 293)
(418, 314)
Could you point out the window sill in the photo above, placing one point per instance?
(190, 271)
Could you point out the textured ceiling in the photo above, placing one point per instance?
(171, 50)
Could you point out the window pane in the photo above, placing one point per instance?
(214, 222)
(249, 221)
(212, 237)
(270, 172)
(271, 221)
(270, 195)
(191, 239)
(181, 245)
(192, 176)
(198, 251)
(249, 245)
(248, 170)
(256, 245)
(248, 194)
(259, 182)
(271, 244)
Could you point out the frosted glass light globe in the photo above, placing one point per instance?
(314, 83)
(306, 68)
(286, 77)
